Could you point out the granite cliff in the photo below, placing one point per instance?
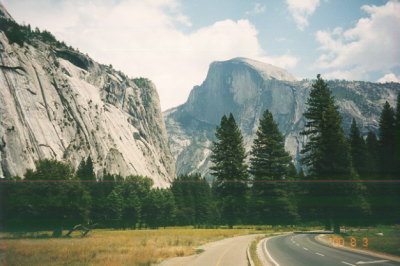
(56, 102)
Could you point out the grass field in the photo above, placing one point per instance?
(384, 239)
(253, 250)
(110, 247)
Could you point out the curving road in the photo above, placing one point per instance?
(304, 250)
(226, 252)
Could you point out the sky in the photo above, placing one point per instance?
(173, 42)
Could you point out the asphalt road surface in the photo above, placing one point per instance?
(303, 249)
(226, 252)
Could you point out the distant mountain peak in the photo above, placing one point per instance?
(4, 13)
(246, 88)
(268, 71)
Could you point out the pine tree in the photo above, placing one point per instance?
(269, 159)
(228, 152)
(398, 136)
(320, 98)
(269, 162)
(387, 142)
(372, 148)
(326, 153)
(85, 170)
(228, 157)
(385, 196)
(85, 173)
(89, 169)
(358, 150)
(397, 154)
(327, 156)
(80, 172)
(334, 161)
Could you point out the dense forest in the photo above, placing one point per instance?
(347, 180)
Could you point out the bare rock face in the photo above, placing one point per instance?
(58, 103)
(246, 88)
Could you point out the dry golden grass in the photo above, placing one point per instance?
(111, 247)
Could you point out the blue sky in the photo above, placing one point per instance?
(173, 42)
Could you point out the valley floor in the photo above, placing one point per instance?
(110, 247)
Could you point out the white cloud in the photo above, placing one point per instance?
(389, 78)
(283, 61)
(142, 38)
(373, 44)
(258, 8)
(343, 74)
(301, 10)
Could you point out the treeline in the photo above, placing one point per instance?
(348, 181)
(21, 34)
(53, 197)
(265, 189)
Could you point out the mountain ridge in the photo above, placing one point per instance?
(240, 89)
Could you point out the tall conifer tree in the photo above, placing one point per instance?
(397, 162)
(230, 169)
(387, 142)
(327, 156)
(270, 162)
(269, 159)
(372, 148)
(397, 134)
(358, 150)
(320, 98)
(384, 197)
(85, 170)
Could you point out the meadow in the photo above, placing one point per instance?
(110, 247)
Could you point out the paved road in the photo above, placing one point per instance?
(304, 250)
(226, 252)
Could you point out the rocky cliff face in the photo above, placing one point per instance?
(59, 103)
(246, 88)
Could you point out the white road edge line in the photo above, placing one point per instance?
(348, 263)
(370, 262)
(305, 248)
(320, 254)
(269, 255)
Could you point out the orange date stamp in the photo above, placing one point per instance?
(352, 241)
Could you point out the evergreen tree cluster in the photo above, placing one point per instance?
(54, 198)
(377, 158)
(21, 34)
(253, 192)
(335, 190)
(265, 201)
